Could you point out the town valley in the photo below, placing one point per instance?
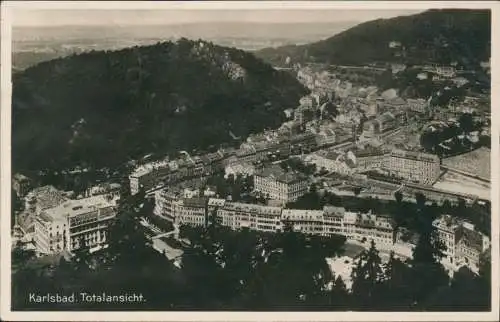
(346, 174)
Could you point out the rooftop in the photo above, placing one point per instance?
(334, 211)
(47, 197)
(72, 208)
(195, 202)
(252, 208)
(471, 238)
(419, 156)
(280, 175)
(216, 202)
(301, 214)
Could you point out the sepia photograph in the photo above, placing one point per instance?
(268, 160)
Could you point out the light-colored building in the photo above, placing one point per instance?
(422, 76)
(373, 227)
(304, 221)
(333, 220)
(159, 173)
(396, 68)
(43, 198)
(332, 161)
(418, 105)
(394, 44)
(274, 183)
(446, 71)
(325, 137)
(192, 212)
(460, 81)
(74, 224)
(368, 159)
(412, 166)
(463, 244)
(307, 101)
(238, 215)
(166, 203)
(239, 168)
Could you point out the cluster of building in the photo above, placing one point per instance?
(267, 146)
(416, 167)
(327, 222)
(51, 222)
(463, 244)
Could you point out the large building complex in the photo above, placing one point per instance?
(274, 183)
(74, 224)
(463, 244)
(326, 222)
(412, 166)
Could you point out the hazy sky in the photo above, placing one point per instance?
(38, 17)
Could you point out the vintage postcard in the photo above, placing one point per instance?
(250, 161)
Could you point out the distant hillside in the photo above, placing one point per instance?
(439, 36)
(104, 108)
(32, 45)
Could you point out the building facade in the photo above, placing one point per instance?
(412, 166)
(74, 224)
(276, 184)
(463, 243)
(418, 105)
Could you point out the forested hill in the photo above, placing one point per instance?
(104, 108)
(434, 36)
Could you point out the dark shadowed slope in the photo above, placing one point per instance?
(440, 36)
(103, 108)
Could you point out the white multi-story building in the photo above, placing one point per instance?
(275, 183)
(239, 168)
(192, 212)
(333, 161)
(304, 221)
(255, 217)
(165, 204)
(74, 224)
(147, 176)
(413, 166)
(419, 105)
(368, 159)
(333, 220)
(463, 244)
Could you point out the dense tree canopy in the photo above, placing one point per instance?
(439, 36)
(102, 108)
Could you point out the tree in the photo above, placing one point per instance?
(464, 293)
(16, 206)
(427, 271)
(396, 292)
(367, 277)
(398, 196)
(338, 297)
(399, 215)
(20, 256)
(466, 122)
